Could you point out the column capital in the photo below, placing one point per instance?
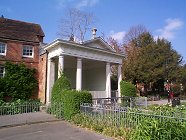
(107, 63)
(61, 55)
(79, 59)
(49, 59)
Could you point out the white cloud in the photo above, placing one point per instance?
(62, 3)
(168, 31)
(74, 3)
(86, 3)
(118, 35)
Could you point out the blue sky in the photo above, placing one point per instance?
(163, 18)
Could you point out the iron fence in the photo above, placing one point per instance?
(125, 117)
(132, 102)
(13, 109)
(56, 109)
(18, 114)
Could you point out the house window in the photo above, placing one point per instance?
(2, 48)
(2, 71)
(28, 51)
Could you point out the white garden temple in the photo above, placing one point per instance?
(86, 65)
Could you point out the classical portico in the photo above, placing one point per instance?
(86, 65)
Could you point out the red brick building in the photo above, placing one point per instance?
(19, 43)
(87, 65)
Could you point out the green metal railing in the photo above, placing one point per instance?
(125, 117)
(133, 102)
(56, 109)
(19, 109)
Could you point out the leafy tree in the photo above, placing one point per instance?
(151, 62)
(183, 78)
(19, 81)
(131, 63)
(136, 38)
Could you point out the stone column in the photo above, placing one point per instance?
(50, 80)
(119, 79)
(79, 74)
(60, 65)
(108, 81)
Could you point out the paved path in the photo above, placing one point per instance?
(25, 118)
(161, 102)
(60, 130)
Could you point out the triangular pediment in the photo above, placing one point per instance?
(98, 43)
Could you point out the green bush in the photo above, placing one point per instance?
(71, 102)
(1, 89)
(127, 89)
(148, 127)
(100, 126)
(59, 86)
(19, 106)
(69, 99)
(154, 129)
(19, 82)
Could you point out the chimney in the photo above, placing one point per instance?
(72, 37)
(94, 33)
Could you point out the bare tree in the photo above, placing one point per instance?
(133, 33)
(114, 44)
(76, 24)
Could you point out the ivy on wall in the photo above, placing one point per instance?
(19, 82)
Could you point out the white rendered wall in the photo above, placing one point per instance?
(94, 79)
(70, 64)
(56, 68)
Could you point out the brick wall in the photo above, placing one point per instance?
(14, 55)
(42, 77)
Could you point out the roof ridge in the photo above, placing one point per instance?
(21, 30)
(20, 21)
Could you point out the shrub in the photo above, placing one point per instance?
(19, 81)
(19, 106)
(1, 89)
(71, 102)
(127, 89)
(154, 129)
(100, 126)
(59, 86)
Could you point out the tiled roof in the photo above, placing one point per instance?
(19, 30)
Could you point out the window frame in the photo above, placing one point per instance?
(5, 48)
(30, 56)
(3, 74)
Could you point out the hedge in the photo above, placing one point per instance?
(71, 102)
(69, 99)
(59, 86)
(127, 89)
